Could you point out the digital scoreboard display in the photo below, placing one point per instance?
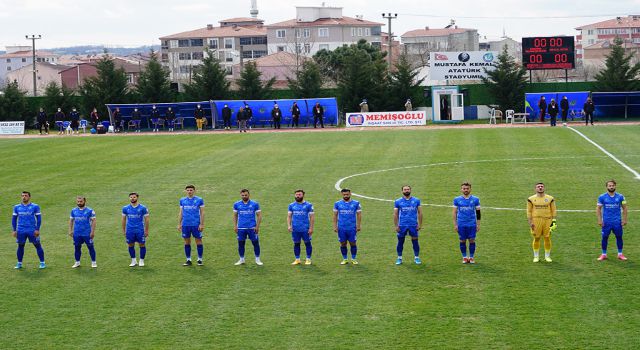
(552, 52)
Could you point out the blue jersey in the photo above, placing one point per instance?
(82, 220)
(407, 211)
(246, 213)
(26, 217)
(135, 217)
(191, 210)
(300, 216)
(466, 210)
(347, 213)
(611, 208)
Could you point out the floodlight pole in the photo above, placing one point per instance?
(389, 16)
(33, 39)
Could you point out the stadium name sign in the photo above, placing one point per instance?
(461, 65)
(386, 119)
(11, 128)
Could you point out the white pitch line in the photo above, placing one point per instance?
(338, 184)
(635, 173)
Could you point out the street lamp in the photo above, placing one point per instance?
(389, 16)
(33, 39)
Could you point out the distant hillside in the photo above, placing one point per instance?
(95, 49)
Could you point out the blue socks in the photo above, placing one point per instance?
(132, 252)
(354, 251)
(604, 243)
(400, 245)
(40, 251)
(463, 248)
(343, 251)
(143, 252)
(472, 249)
(619, 243)
(92, 251)
(296, 250)
(187, 251)
(309, 248)
(200, 249)
(241, 248)
(78, 252)
(20, 252)
(416, 247)
(256, 247)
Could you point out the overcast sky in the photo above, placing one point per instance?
(142, 22)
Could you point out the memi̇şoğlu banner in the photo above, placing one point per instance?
(11, 128)
(386, 119)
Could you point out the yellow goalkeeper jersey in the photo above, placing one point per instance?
(541, 207)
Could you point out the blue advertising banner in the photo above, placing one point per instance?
(576, 101)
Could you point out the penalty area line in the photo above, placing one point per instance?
(631, 170)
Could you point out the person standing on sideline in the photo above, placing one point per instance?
(75, 120)
(82, 227)
(226, 117)
(466, 221)
(612, 216)
(199, 115)
(588, 109)
(553, 112)
(136, 117)
(276, 116)
(407, 219)
(318, 115)
(564, 109)
(347, 215)
(248, 114)
(170, 117)
(155, 118)
(364, 106)
(43, 123)
(26, 222)
(408, 106)
(135, 227)
(60, 117)
(117, 120)
(191, 222)
(295, 115)
(246, 223)
(542, 105)
(541, 214)
(300, 220)
(95, 118)
(242, 119)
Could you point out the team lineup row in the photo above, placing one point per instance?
(611, 212)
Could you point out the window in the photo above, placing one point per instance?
(165, 57)
(228, 43)
(228, 57)
(359, 31)
(183, 43)
(130, 78)
(173, 43)
(213, 43)
(298, 33)
(376, 44)
(281, 49)
(306, 32)
(197, 42)
(354, 31)
(247, 54)
(323, 32)
(376, 30)
(298, 48)
(245, 41)
(8, 60)
(323, 47)
(307, 48)
(197, 55)
(281, 33)
(259, 40)
(185, 69)
(8, 68)
(24, 59)
(367, 32)
(590, 32)
(229, 70)
(183, 56)
(259, 53)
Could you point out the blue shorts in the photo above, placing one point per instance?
(347, 235)
(411, 230)
(300, 236)
(188, 231)
(467, 232)
(243, 233)
(616, 228)
(78, 240)
(133, 237)
(21, 237)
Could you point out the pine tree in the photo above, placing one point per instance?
(109, 86)
(618, 74)
(209, 81)
(404, 84)
(13, 104)
(57, 96)
(308, 81)
(251, 86)
(154, 84)
(507, 83)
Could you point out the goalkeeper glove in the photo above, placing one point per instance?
(554, 225)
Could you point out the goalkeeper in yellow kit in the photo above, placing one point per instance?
(541, 213)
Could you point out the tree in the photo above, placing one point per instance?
(13, 103)
(56, 96)
(154, 84)
(251, 86)
(109, 86)
(507, 82)
(360, 71)
(308, 81)
(404, 84)
(209, 81)
(618, 74)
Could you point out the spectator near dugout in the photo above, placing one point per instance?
(43, 123)
(226, 117)
(588, 109)
(75, 120)
(276, 116)
(60, 117)
(200, 117)
(117, 120)
(318, 115)
(542, 105)
(295, 115)
(170, 117)
(155, 118)
(564, 108)
(364, 106)
(553, 112)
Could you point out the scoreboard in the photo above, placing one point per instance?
(552, 52)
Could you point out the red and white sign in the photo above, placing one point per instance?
(386, 119)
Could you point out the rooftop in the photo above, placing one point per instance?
(217, 32)
(619, 22)
(434, 32)
(329, 22)
(19, 54)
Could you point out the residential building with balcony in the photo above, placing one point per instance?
(17, 57)
(594, 40)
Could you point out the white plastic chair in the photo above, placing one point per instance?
(492, 116)
(83, 125)
(510, 113)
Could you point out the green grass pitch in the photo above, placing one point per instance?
(504, 301)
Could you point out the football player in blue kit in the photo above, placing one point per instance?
(26, 222)
(246, 223)
(300, 220)
(407, 218)
(135, 227)
(82, 227)
(347, 215)
(191, 223)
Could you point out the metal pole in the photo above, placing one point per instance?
(389, 16)
(33, 39)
